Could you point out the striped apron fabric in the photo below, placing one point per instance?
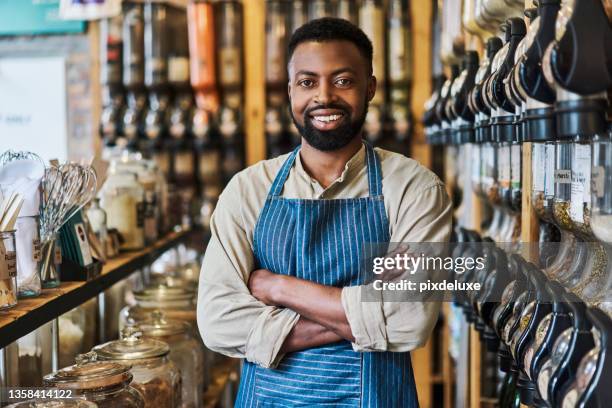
(322, 241)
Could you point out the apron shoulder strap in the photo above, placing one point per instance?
(281, 177)
(374, 171)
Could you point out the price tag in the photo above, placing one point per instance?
(57, 255)
(36, 250)
(563, 176)
(539, 157)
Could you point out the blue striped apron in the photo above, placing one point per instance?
(322, 241)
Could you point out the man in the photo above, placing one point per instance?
(280, 282)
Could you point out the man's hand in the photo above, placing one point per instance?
(265, 285)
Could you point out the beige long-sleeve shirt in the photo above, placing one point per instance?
(234, 323)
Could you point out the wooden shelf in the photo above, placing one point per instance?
(30, 314)
(221, 374)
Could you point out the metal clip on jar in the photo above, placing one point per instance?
(155, 376)
(105, 383)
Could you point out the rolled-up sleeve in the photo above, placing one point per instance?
(230, 320)
(402, 326)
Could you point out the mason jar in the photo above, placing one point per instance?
(103, 382)
(155, 375)
(8, 270)
(186, 351)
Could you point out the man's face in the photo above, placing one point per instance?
(330, 86)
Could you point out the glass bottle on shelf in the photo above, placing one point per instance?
(122, 197)
(601, 213)
(133, 72)
(481, 112)
(113, 98)
(372, 22)
(8, 270)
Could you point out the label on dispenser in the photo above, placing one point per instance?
(515, 159)
(399, 58)
(598, 176)
(36, 250)
(475, 163)
(229, 62)
(581, 181)
(538, 157)
(549, 176)
(504, 166)
(178, 69)
(563, 176)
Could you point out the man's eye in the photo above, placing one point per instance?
(343, 82)
(306, 83)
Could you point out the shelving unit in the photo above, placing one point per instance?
(29, 314)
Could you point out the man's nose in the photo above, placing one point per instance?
(325, 94)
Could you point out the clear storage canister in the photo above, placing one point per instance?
(176, 303)
(186, 351)
(8, 270)
(155, 376)
(122, 197)
(103, 382)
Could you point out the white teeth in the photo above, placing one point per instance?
(328, 118)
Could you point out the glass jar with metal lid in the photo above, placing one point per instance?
(105, 383)
(155, 376)
(176, 302)
(54, 403)
(186, 351)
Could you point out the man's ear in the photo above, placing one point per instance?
(371, 88)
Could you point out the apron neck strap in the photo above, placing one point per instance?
(372, 163)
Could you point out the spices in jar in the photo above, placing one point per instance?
(155, 375)
(105, 383)
(186, 351)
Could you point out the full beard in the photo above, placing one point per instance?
(333, 139)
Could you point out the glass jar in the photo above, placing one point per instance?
(186, 352)
(536, 343)
(28, 257)
(34, 352)
(8, 270)
(54, 403)
(51, 263)
(122, 197)
(602, 188)
(155, 376)
(516, 164)
(77, 331)
(103, 382)
(584, 375)
(176, 303)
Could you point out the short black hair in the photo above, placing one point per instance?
(332, 29)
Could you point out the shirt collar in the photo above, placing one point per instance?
(351, 168)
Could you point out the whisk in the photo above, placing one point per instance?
(66, 189)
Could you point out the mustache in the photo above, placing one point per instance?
(341, 107)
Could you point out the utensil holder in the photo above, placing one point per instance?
(28, 258)
(8, 270)
(51, 261)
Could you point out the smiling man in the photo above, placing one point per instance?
(280, 283)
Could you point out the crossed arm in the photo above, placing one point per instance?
(322, 320)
